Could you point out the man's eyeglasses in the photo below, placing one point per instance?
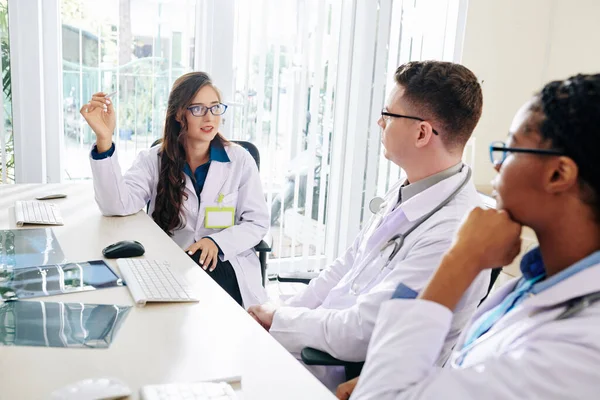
(499, 151)
(200, 110)
(385, 114)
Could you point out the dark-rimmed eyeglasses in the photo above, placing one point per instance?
(499, 151)
(389, 114)
(200, 110)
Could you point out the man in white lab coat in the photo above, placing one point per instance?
(537, 337)
(427, 120)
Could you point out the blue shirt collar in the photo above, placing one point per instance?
(532, 267)
(532, 264)
(217, 151)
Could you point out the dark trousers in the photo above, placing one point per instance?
(224, 275)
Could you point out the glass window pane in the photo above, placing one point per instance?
(7, 158)
(419, 30)
(137, 48)
(286, 63)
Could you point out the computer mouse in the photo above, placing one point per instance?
(51, 196)
(124, 249)
(93, 389)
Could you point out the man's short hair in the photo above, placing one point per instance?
(446, 93)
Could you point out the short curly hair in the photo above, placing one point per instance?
(571, 123)
(446, 92)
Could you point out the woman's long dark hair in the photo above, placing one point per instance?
(171, 181)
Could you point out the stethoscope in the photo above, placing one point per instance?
(397, 241)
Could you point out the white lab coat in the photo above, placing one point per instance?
(526, 355)
(239, 182)
(329, 317)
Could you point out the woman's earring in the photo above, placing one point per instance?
(223, 121)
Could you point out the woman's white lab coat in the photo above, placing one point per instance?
(330, 316)
(527, 354)
(239, 182)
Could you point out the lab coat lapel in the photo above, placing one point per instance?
(580, 284)
(392, 223)
(377, 219)
(496, 298)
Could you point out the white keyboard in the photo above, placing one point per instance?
(189, 391)
(154, 281)
(37, 212)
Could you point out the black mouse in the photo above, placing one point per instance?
(124, 249)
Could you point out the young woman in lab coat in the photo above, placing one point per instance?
(538, 336)
(194, 172)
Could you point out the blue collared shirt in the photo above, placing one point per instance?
(104, 154)
(217, 153)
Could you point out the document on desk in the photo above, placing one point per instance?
(21, 248)
(49, 280)
(48, 324)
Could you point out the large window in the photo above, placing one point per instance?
(383, 35)
(305, 81)
(413, 31)
(135, 47)
(285, 58)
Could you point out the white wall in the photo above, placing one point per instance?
(515, 46)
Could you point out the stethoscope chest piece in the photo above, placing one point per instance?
(375, 204)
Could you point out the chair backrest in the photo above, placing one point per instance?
(493, 276)
(252, 149)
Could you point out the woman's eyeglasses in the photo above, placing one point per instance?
(200, 110)
(499, 151)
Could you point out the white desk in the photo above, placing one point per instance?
(158, 343)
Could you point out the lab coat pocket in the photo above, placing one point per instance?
(230, 199)
(221, 213)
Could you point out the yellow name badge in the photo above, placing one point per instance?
(219, 217)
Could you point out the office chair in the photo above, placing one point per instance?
(312, 356)
(264, 246)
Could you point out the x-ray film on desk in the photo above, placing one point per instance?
(49, 324)
(49, 280)
(20, 248)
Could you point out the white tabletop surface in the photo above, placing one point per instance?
(159, 343)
